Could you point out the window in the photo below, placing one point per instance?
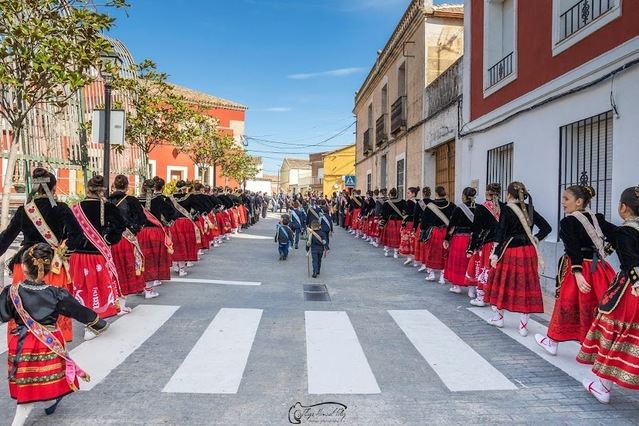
(585, 151)
(400, 164)
(499, 42)
(380, 126)
(499, 167)
(382, 172)
(401, 80)
(369, 181)
(574, 20)
(445, 168)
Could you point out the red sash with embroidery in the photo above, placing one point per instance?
(47, 338)
(137, 251)
(98, 242)
(167, 238)
(33, 213)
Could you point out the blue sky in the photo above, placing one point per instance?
(295, 63)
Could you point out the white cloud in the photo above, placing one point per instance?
(278, 109)
(340, 72)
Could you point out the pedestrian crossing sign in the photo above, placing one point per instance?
(349, 181)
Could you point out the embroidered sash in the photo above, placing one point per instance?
(422, 204)
(316, 235)
(98, 242)
(466, 210)
(46, 337)
(593, 230)
(59, 250)
(433, 207)
(356, 201)
(325, 219)
(296, 217)
(392, 204)
(520, 215)
(137, 251)
(493, 208)
(156, 222)
(182, 210)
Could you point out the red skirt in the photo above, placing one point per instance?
(355, 219)
(457, 262)
(390, 234)
(41, 373)
(124, 260)
(184, 243)
(434, 252)
(157, 260)
(419, 245)
(226, 220)
(365, 225)
(479, 267)
(92, 284)
(612, 343)
(60, 280)
(204, 236)
(514, 283)
(374, 228)
(234, 218)
(575, 311)
(348, 219)
(407, 243)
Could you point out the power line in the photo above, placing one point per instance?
(341, 132)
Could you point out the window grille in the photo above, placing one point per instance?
(499, 167)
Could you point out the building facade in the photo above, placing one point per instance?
(389, 107)
(337, 164)
(551, 92)
(317, 171)
(295, 176)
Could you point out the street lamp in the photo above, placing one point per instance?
(108, 69)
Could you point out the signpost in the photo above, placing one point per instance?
(350, 181)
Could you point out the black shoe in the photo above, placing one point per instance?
(281, 257)
(314, 275)
(296, 247)
(51, 409)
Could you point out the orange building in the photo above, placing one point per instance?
(170, 163)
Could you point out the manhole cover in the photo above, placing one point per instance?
(316, 293)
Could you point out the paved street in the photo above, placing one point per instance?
(236, 343)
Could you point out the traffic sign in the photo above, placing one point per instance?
(349, 181)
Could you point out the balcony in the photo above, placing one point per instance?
(582, 14)
(381, 133)
(368, 147)
(398, 115)
(500, 70)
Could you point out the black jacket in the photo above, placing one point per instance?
(111, 230)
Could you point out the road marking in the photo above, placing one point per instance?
(252, 237)
(565, 358)
(3, 338)
(221, 282)
(102, 355)
(335, 360)
(217, 361)
(456, 363)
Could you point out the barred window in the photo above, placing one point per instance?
(499, 167)
(400, 178)
(585, 151)
(369, 182)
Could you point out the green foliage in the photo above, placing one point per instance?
(237, 164)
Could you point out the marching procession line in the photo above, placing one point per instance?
(101, 356)
(469, 371)
(217, 361)
(3, 338)
(335, 360)
(222, 282)
(565, 358)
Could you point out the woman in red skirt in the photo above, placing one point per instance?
(457, 242)
(127, 254)
(612, 343)
(155, 242)
(184, 232)
(393, 212)
(355, 208)
(583, 274)
(420, 208)
(93, 271)
(39, 366)
(514, 284)
(42, 219)
(407, 233)
(435, 220)
(484, 233)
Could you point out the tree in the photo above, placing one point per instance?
(47, 49)
(237, 164)
(157, 112)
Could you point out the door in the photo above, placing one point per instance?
(445, 168)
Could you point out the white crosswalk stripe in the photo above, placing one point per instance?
(456, 363)
(102, 355)
(335, 359)
(3, 338)
(220, 282)
(565, 358)
(217, 361)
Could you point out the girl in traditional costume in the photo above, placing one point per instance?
(612, 343)
(184, 231)
(458, 236)
(482, 244)
(514, 284)
(434, 221)
(583, 274)
(420, 245)
(393, 213)
(43, 219)
(39, 365)
(407, 233)
(93, 271)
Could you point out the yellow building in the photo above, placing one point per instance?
(337, 164)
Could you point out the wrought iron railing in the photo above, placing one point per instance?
(398, 115)
(500, 70)
(381, 135)
(581, 14)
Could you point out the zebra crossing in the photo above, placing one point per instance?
(336, 360)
